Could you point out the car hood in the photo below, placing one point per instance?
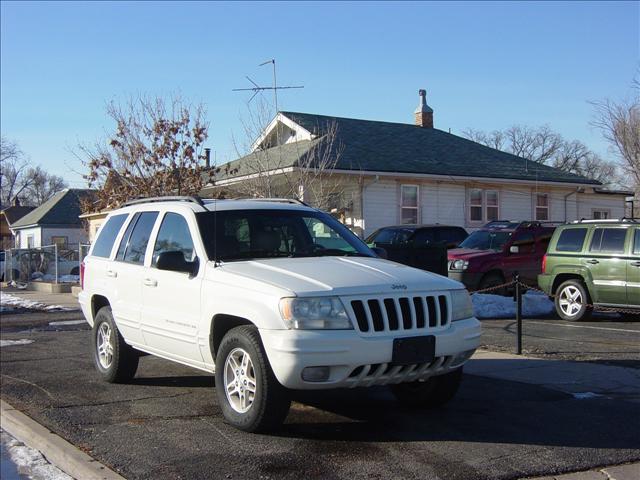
(470, 254)
(339, 275)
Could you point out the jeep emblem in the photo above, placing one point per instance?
(398, 286)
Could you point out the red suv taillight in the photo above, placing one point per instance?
(544, 263)
(82, 275)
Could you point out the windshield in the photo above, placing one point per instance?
(231, 235)
(390, 235)
(486, 240)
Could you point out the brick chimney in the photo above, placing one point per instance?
(424, 113)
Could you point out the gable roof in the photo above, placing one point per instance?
(15, 212)
(405, 148)
(62, 209)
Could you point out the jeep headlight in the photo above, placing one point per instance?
(461, 306)
(314, 313)
(459, 265)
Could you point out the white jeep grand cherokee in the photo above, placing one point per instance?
(271, 296)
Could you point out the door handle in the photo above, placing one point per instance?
(112, 273)
(150, 282)
(593, 261)
(635, 264)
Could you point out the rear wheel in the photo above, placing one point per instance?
(116, 361)
(250, 396)
(571, 301)
(434, 392)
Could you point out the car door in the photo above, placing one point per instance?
(521, 256)
(125, 274)
(171, 300)
(607, 264)
(633, 270)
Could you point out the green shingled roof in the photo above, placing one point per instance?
(404, 148)
(62, 209)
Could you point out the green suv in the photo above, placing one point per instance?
(593, 262)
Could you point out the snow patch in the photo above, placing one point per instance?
(30, 461)
(67, 322)
(48, 277)
(534, 304)
(12, 302)
(9, 343)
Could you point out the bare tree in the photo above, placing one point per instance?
(298, 168)
(155, 148)
(619, 123)
(543, 145)
(31, 185)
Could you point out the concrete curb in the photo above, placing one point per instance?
(57, 450)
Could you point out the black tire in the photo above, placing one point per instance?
(434, 392)
(123, 359)
(577, 308)
(493, 280)
(75, 271)
(270, 402)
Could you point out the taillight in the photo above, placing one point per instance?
(82, 275)
(544, 263)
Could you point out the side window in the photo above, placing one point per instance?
(107, 236)
(134, 243)
(608, 240)
(571, 240)
(174, 236)
(424, 237)
(525, 242)
(636, 242)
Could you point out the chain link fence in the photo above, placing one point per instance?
(44, 264)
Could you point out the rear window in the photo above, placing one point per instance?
(608, 240)
(107, 236)
(571, 240)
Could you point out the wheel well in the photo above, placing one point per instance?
(563, 277)
(97, 302)
(493, 272)
(220, 325)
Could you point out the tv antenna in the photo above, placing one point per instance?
(257, 88)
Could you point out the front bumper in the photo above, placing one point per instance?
(471, 280)
(357, 361)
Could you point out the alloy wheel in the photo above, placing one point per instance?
(571, 300)
(239, 380)
(104, 343)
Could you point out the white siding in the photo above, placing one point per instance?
(589, 202)
(381, 204)
(25, 233)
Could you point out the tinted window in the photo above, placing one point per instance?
(174, 236)
(424, 237)
(107, 236)
(451, 236)
(571, 240)
(486, 240)
(524, 241)
(391, 235)
(610, 240)
(636, 242)
(134, 244)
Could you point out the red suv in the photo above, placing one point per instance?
(490, 256)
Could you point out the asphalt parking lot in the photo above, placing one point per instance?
(167, 424)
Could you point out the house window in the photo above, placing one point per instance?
(484, 205)
(409, 204)
(542, 206)
(61, 242)
(600, 214)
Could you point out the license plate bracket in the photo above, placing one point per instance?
(413, 350)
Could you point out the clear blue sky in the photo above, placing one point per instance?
(484, 65)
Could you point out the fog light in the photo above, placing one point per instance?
(462, 357)
(316, 374)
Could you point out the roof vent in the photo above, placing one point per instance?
(424, 113)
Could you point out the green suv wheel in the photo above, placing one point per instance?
(572, 301)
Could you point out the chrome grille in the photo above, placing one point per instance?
(400, 313)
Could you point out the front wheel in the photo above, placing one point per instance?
(572, 301)
(250, 396)
(116, 361)
(431, 393)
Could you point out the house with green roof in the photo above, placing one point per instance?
(382, 173)
(56, 221)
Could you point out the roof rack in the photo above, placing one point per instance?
(608, 220)
(181, 198)
(275, 200)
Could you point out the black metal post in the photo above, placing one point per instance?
(518, 299)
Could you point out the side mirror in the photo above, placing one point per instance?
(514, 249)
(174, 261)
(380, 252)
